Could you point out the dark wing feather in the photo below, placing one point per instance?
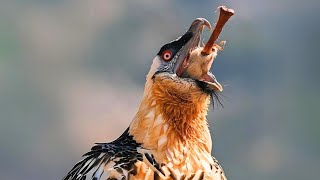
(120, 154)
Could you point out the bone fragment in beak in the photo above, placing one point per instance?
(224, 16)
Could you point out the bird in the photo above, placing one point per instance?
(169, 137)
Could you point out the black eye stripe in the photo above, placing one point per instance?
(175, 45)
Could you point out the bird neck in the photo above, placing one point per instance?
(171, 120)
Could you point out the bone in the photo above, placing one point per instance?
(224, 16)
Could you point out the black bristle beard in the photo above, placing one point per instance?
(216, 99)
(214, 95)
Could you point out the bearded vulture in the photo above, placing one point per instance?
(169, 136)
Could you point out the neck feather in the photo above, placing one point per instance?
(172, 119)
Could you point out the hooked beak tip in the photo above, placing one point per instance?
(199, 24)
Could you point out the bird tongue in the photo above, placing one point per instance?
(207, 76)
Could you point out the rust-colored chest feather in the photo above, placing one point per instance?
(171, 123)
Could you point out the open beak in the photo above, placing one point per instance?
(182, 62)
(195, 29)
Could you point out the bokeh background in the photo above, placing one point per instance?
(72, 73)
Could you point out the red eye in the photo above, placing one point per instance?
(166, 55)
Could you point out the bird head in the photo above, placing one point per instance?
(181, 59)
(176, 96)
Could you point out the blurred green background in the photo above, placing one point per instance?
(72, 73)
